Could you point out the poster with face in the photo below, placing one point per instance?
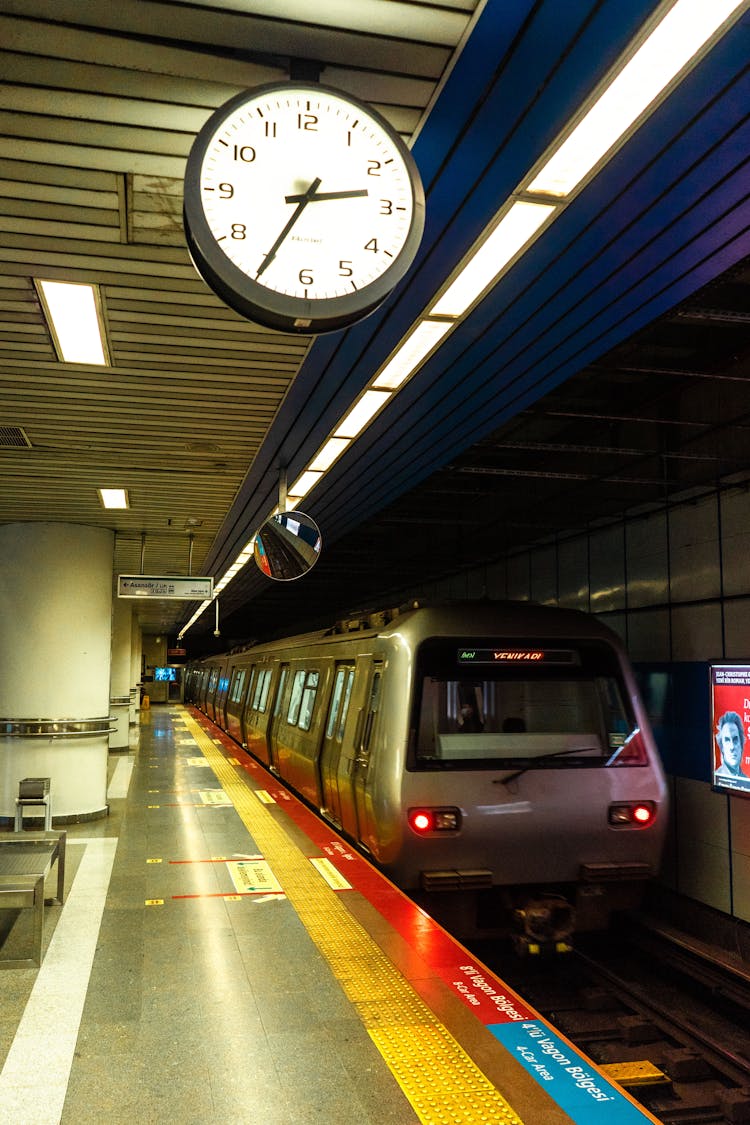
(730, 727)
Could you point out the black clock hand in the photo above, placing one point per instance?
(301, 201)
(327, 195)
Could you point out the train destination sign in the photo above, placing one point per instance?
(513, 655)
(179, 587)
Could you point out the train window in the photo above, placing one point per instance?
(263, 702)
(342, 691)
(237, 684)
(372, 709)
(280, 690)
(308, 701)
(345, 704)
(573, 715)
(295, 701)
(338, 691)
(260, 698)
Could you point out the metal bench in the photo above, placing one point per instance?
(19, 892)
(25, 861)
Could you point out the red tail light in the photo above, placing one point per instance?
(423, 821)
(633, 814)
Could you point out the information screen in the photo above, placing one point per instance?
(511, 654)
(730, 727)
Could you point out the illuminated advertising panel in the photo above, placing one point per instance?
(169, 674)
(730, 727)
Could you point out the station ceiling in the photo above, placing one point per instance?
(608, 369)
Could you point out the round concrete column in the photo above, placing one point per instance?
(55, 639)
(119, 703)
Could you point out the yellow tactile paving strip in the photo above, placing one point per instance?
(439, 1079)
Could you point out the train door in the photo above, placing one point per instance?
(256, 713)
(366, 725)
(338, 707)
(273, 726)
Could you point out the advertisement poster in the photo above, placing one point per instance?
(730, 727)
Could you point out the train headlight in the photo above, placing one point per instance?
(634, 814)
(423, 821)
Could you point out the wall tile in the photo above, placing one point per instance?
(519, 586)
(741, 887)
(646, 559)
(497, 580)
(696, 631)
(737, 625)
(702, 843)
(607, 568)
(573, 573)
(735, 540)
(544, 575)
(694, 550)
(648, 635)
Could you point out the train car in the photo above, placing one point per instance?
(493, 759)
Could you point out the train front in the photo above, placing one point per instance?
(533, 800)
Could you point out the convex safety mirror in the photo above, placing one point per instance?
(287, 546)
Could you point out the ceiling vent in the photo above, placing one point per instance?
(13, 437)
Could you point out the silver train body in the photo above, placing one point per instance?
(494, 760)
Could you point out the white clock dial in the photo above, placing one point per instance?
(303, 193)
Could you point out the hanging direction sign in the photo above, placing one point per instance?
(179, 587)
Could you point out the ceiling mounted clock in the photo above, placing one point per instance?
(303, 207)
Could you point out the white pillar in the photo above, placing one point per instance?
(119, 702)
(55, 638)
(136, 653)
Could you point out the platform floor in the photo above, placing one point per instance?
(222, 955)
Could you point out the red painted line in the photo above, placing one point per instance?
(228, 859)
(194, 805)
(232, 894)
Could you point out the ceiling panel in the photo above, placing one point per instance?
(609, 369)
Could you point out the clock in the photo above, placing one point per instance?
(303, 208)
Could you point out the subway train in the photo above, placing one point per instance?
(493, 759)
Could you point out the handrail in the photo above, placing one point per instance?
(56, 728)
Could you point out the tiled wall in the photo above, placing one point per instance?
(674, 583)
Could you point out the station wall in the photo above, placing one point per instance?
(674, 583)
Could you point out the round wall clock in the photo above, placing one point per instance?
(303, 208)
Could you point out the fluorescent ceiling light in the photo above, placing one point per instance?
(512, 233)
(74, 316)
(332, 449)
(411, 353)
(361, 413)
(683, 31)
(304, 484)
(113, 497)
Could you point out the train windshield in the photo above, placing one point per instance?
(508, 706)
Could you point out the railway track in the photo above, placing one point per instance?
(668, 1022)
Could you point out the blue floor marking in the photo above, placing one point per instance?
(577, 1087)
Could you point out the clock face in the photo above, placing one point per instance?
(303, 208)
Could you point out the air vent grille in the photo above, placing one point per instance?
(13, 437)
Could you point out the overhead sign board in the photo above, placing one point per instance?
(179, 587)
